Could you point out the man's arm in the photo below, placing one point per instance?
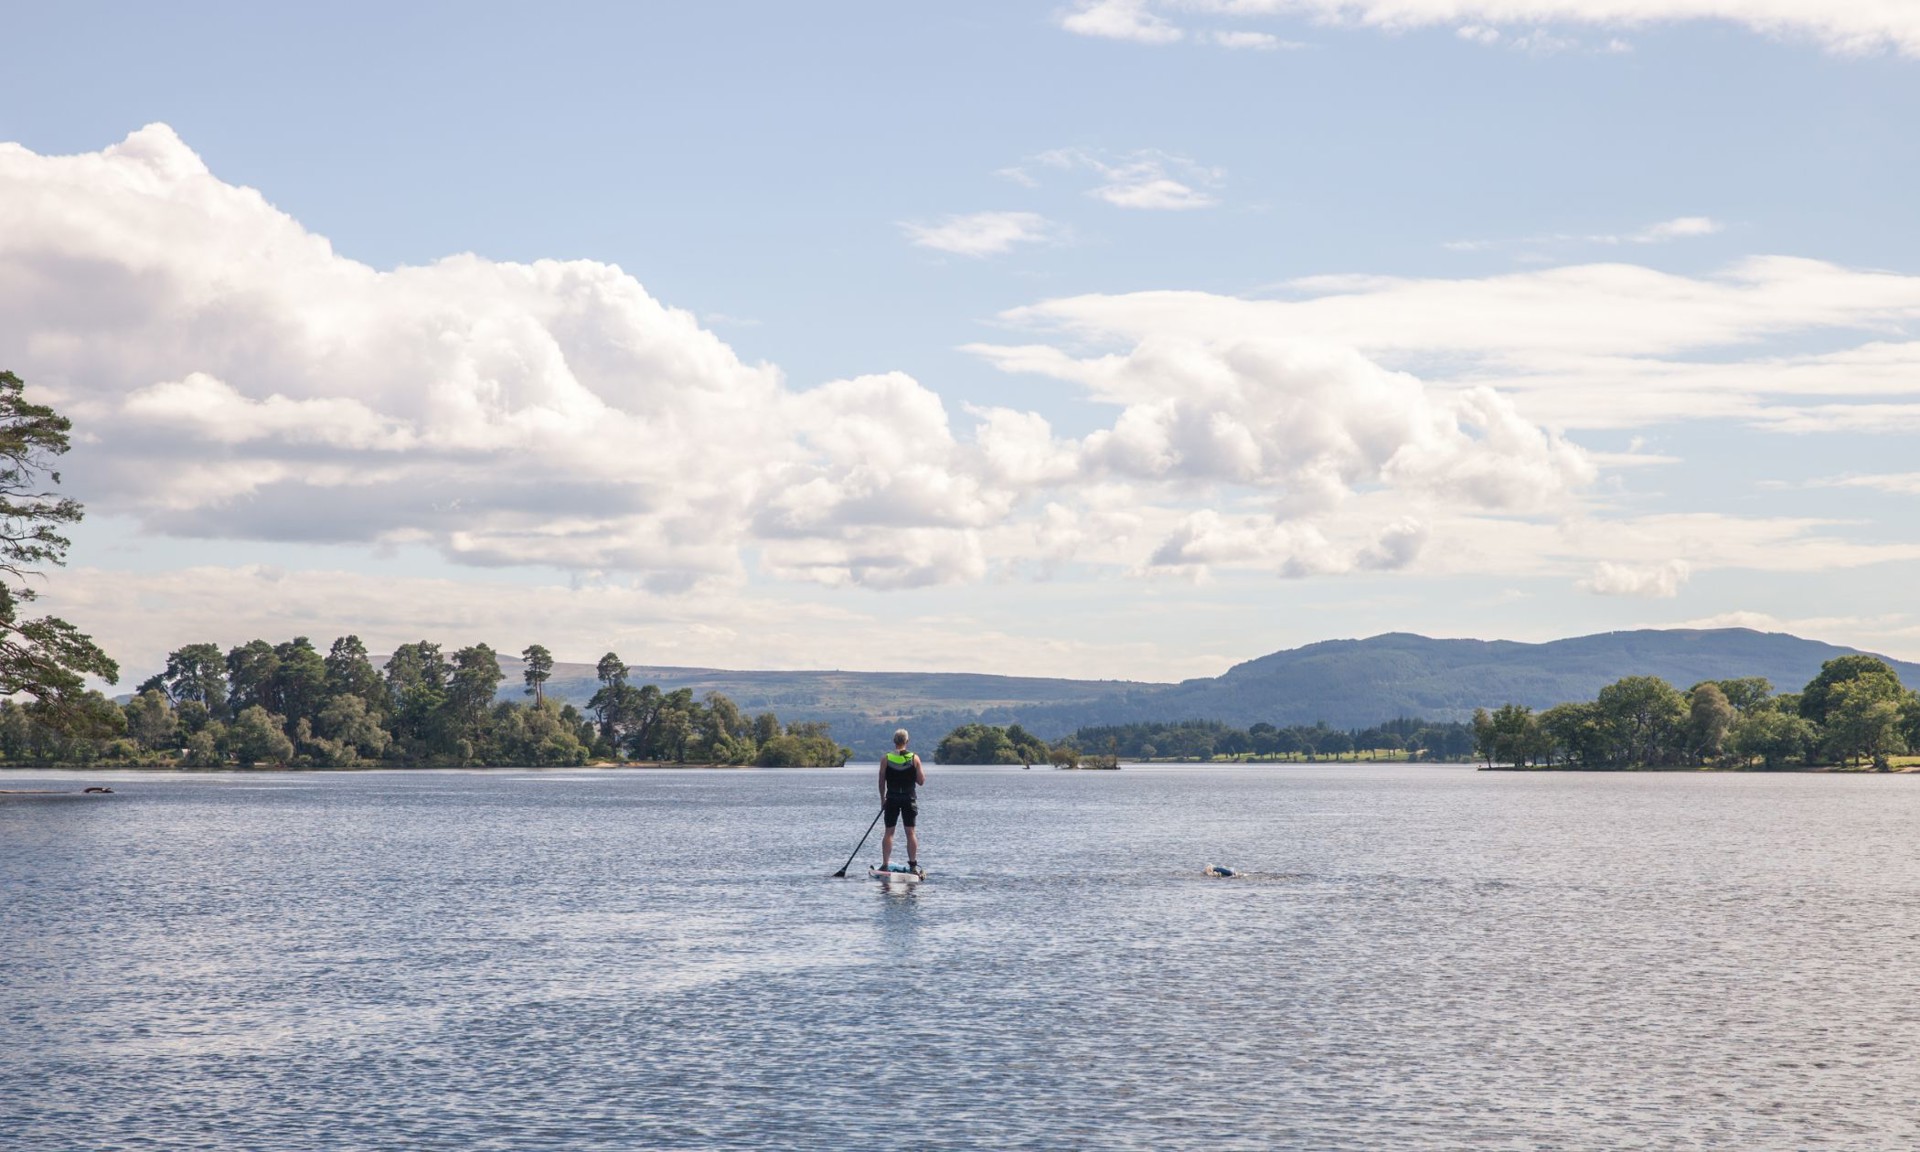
(919, 770)
(883, 779)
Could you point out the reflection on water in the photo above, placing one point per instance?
(1410, 958)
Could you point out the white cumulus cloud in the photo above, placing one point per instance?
(1120, 20)
(1584, 346)
(1648, 582)
(1306, 432)
(233, 376)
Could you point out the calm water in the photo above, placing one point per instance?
(1423, 958)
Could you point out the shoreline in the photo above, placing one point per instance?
(234, 769)
(1798, 770)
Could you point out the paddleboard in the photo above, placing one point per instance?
(894, 876)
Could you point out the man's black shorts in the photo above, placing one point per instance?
(905, 809)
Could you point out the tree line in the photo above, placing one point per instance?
(290, 704)
(1415, 738)
(43, 658)
(1854, 712)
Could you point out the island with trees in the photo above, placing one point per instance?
(1104, 746)
(290, 704)
(1854, 714)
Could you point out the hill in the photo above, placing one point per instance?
(1347, 683)
(1354, 682)
(863, 708)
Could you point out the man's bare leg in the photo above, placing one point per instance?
(913, 845)
(886, 846)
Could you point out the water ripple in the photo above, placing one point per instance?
(1410, 958)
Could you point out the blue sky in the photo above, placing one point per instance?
(1152, 353)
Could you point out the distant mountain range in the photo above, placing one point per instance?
(1347, 683)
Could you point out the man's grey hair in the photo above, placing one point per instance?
(899, 735)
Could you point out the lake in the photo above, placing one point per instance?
(1419, 957)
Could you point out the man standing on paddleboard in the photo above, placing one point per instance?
(900, 774)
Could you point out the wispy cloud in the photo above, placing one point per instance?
(1678, 228)
(1148, 179)
(1842, 27)
(1535, 40)
(1250, 41)
(1666, 231)
(980, 234)
(1897, 483)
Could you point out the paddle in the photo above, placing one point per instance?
(842, 874)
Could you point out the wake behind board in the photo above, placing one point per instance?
(896, 874)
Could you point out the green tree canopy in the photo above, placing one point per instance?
(1642, 715)
(538, 671)
(1771, 736)
(1576, 733)
(44, 657)
(1709, 718)
(1817, 698)
(151, 720)
(802, 745)
(1510, 735)
(256, 736)
(988, 744)
(417, 686)
(299, 687)
(198, 673)
(251, 668)
(474, 680)
(1863, 719)
(1746, 693)
(350, 672)
(350, 723)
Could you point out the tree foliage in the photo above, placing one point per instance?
(539, 669)
(1204, 740)
(261, 704)
(1855, 711)
(43, 657)
(990, 744)
(1212, 740)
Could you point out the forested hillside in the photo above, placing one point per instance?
(1345, 683)
(1348, 685)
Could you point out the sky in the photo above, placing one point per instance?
(1104, 339)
